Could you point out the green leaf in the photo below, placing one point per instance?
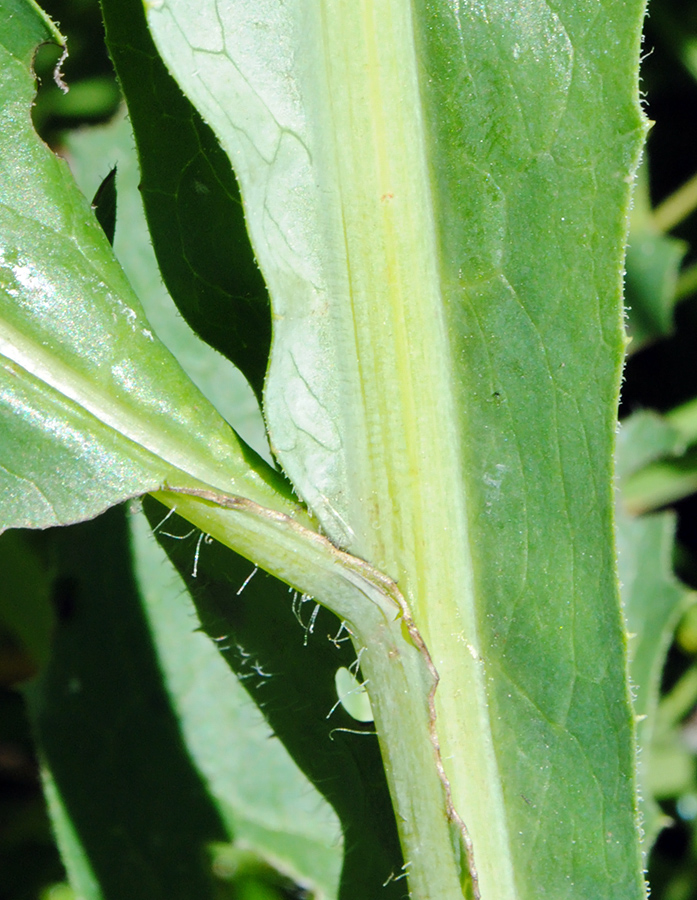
(192, 202)
(663, 482)
(87, 152)
(94, 409)
(651, 436)
(437, 194)
(672, 765)
(653, 265)
(667, 470)
(152, 753)
(119, 780)
(289, 671)
(653, 601)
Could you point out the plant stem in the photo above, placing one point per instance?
(677, 207)
(400, 677)
(687, 283)
(405, 498)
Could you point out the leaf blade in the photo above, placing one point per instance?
(69, 321)
(507, 204)
(119, 779)
(191, 201)
(653, 597)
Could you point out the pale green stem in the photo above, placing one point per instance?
(679, 702)
(400, 677)
(687, 283)
(677, 207)
(406, 498)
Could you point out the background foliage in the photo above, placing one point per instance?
(658, 469)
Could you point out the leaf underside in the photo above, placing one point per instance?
(191, 201)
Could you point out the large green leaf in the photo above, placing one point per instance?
(90, 152)
(191, 201)
(152, 753)
(652, 596)
(119, 780)
(437, 194)
(94, 409)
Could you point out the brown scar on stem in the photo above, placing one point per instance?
(389, 588)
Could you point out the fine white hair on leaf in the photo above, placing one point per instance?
(399, 877)
(203, 538)
(259, 670)
(160, 524)
(348, 731)
(299, 601)
(247, 580)
(340, 638)
(311, 624)
(355, 665)
(178, 537)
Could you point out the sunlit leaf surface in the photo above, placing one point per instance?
(94, 409)
(437, 194)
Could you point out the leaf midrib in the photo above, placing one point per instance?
(40, 363)
(409, 502)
